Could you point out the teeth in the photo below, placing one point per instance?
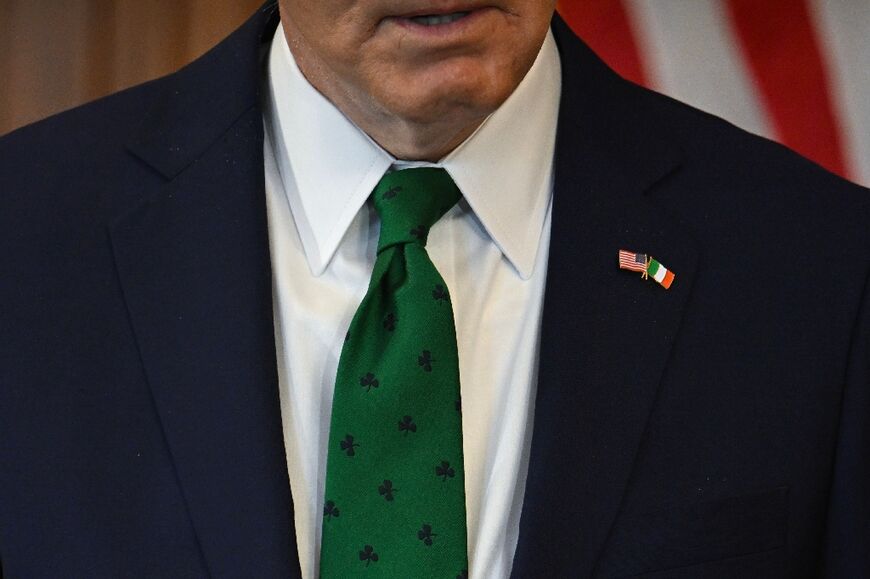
(440, 19)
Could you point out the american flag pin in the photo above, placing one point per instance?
(647, 265)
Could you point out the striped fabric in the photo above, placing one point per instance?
(792, 70)
(632, 261)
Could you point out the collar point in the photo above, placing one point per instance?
(316, 265)
(525, 268)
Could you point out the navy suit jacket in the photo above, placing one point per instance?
(716, 429)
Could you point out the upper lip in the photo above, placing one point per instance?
(439, 9)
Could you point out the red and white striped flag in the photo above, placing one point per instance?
(795, 71)
(632, 261)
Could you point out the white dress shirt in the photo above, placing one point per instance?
(491, 249)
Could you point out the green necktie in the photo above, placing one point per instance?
(395, 483)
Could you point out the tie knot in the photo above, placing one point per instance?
(409, 203)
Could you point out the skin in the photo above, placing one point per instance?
(418, 92)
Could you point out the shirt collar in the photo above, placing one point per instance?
(329, 166)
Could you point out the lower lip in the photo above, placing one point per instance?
(454, 28)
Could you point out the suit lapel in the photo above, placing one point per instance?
(193, 260)
(606, 333)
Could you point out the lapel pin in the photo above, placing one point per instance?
(647, 265)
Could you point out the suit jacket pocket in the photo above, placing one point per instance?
(704, 531)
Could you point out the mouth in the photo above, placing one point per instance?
(438, 19)
(443, 25)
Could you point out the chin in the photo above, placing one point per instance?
(433, 99)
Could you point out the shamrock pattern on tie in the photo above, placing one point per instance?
(395, 482)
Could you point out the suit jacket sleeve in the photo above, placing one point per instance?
(848, 534)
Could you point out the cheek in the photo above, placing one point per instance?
(345, 45)
(333, 30)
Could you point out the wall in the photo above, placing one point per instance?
(55, 54)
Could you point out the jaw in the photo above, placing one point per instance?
(418, 90)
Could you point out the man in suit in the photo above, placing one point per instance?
(177, 283)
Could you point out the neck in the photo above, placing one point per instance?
(417, 141)
(410, 139)
(427, 136)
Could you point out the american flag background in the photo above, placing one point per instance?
(796, 71)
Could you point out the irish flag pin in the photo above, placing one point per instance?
(647, 265)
